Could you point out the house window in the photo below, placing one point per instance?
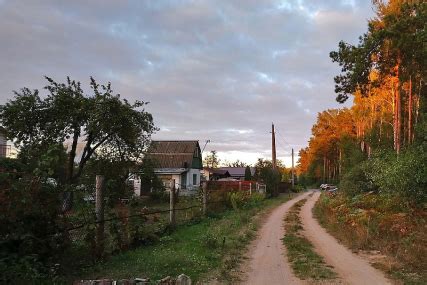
(194, 179)
(184, 180)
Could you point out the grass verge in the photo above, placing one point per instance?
(212, 247)
(305, 262)
(393, 232)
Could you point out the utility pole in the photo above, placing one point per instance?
(207, 141)
(273, 147)
(293, 172)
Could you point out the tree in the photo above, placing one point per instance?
(150, 182)
(355, 146)
(107, 124)
(271, 177)
(394, 50)
(248, 174)
(236, 163)
(211, 160)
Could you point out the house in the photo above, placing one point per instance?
(237, 173)
(6, 150)
(177, 160)
(212, 174)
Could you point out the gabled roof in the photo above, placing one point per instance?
(238, 171)
(172, 154)
(217, 171)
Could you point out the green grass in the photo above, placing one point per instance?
(305, 262)
(211, 247)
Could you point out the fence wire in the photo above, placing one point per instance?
(128, 223)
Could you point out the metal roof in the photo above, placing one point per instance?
(169, 170)
(237, 171)
(172, 154)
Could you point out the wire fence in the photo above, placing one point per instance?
(65, 227)
(141, 221)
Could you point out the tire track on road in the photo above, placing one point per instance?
(352, 268)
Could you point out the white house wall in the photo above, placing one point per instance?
(137, 186)
(177, 178)
(190, 178)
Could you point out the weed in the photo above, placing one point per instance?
(306, 263)
(214, 246)
(381, 222)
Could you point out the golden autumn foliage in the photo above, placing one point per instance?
(385, 75)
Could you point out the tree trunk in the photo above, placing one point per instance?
(72, 155)
(399, 120)
(398, 110)
(324, 168)
(410, 112)
(396, 117)
(417, 108)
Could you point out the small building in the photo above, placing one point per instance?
(6, 149)
(237, 173)
(213, 174)
(177, 160)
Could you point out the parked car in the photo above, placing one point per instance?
(89, 198)
(326, 186)
(332, 188)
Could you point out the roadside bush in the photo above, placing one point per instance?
(380, 221)
(255, 200)
(236, 199)
(297, 188)
(210, 240)
(357, 180)
(405, 174)
(31, 236)
(32, 239)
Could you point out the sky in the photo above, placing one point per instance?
(219, 70)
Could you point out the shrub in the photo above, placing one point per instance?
(160, 195)
(31, 238)
(210, 240)
(357, 180)
(404, 174)
(255, 200)
(297, 188)
(236, 199)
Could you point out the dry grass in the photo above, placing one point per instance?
(392, 228)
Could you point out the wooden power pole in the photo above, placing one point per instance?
(273, 147)
(293, 171)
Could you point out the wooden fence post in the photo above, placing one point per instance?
(172, 204)
(205, 196)
(250, 188)
(99, 212)
(240, 185)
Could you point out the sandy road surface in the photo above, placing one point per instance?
(350, 267)
(268, 264)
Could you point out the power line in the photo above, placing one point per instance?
(282, 137)
(283, 148)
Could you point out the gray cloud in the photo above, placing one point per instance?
(218, 70)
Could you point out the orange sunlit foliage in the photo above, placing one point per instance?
(385, 73)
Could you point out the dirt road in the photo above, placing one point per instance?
(268, 264)
(351, 268)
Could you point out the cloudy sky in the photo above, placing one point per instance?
(211, 70)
